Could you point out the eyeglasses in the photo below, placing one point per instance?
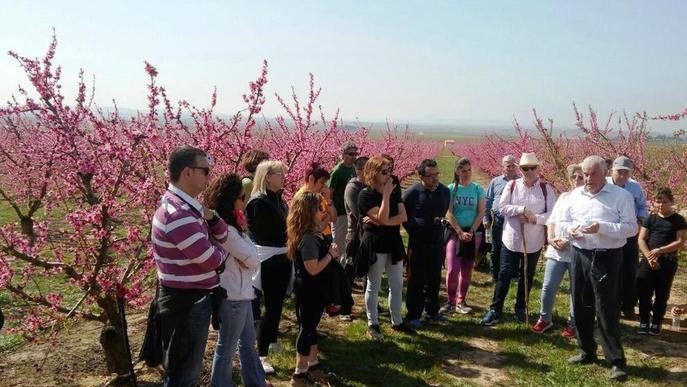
(577, 177)
(352, 154)
(384, 172)
(527, 169)
(433, 175)
(280, 173)
(205, 170)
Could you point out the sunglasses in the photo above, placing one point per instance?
(206, 170)
(384, 172)
(527, 169)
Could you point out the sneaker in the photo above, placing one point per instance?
(491, 318)
(266, 365)
(437, 317)
(618, 374)
(446, 309)
(643, 329)
(415, 324)
(404, 328)
(569, 331)
(346, 317)
(582, 359)
(374, 333)
(276, 348)
(463, 308)
(520, 315)
(303, 380)
(655, 330)
(541, 326)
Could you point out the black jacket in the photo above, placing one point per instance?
(266, 216)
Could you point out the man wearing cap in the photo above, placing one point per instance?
(600, 216)
(492, 216)
(526, 205)
(342, 173)
(620, 176)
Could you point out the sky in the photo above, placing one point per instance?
(463, 63)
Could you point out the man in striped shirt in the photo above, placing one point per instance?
(187, 248)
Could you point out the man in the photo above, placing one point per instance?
(353, 188)
(526, 205)
(492, 216)
(621, 176)
(424, 202)
(599, 218)
(342, 173)
(186, 238)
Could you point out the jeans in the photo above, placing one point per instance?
(275, 276)
(496, 245)
(236, 329)
(374, 283)
(510, 266)
(183, 342)
(595, 284)
(424, 279)
(553, 275)
(628, 276)
(656, 283)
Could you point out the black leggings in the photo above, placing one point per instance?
(275, 274)
(655, 284)
(309, 308)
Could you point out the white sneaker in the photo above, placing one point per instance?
(276, 348)
(464, 309)
(266, 366)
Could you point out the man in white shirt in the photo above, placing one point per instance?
(600, 217)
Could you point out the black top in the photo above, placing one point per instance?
(311, 247)
(422, 206)
(663, 231)
(386, 235)
(266, 216)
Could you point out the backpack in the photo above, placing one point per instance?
(542, 185)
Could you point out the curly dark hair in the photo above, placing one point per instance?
(221, 194)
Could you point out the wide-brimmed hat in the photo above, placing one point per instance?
(528, 159)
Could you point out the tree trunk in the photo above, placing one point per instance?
(27, 228)
(112, 339)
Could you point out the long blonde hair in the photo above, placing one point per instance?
(301, 219)
(263, 169)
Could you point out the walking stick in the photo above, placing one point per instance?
(524, 269)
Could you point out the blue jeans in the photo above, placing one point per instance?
(236, 329)
(553, 275)
(510, 268)
(184, 345)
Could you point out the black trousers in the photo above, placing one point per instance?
(511, 267)
(655, 284)
(424, 279)
(275, 276)
(595, 283)
(309, 308)
(628, 276)
(496, 244)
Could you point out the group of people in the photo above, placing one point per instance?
(233, 256)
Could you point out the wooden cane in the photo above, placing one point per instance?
(524, 266)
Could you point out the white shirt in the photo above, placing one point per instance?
(612, 207)
(558, 209)
(187, 198)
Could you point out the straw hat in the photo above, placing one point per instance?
(528, 159)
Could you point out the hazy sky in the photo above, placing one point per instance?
(449, 62)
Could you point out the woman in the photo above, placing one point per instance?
(661, 236)
(316, 178)
(266, 215)
(311, 255)
(558, 256)
(381, 243)
(226, 196)
(465, 213)
(250, 162)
